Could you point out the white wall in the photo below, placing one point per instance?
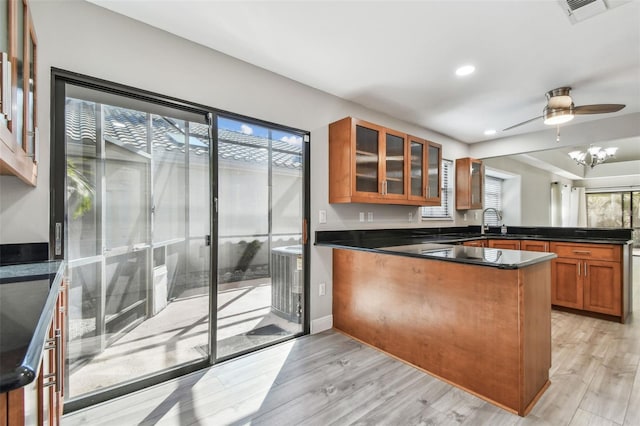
(84, 38)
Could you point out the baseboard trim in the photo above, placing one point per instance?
(321, 324)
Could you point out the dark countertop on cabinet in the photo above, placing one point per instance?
(28, 294)
(445, 243)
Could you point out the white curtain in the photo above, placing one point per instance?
(556, 204)
(578, 208)
(568, 206)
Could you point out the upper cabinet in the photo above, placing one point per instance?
(469, 183)
(18, 96)
(425, 167)
(369, 163)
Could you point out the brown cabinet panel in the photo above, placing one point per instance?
(505, 244)
(532, 245)
(566, 283)
(587, 251)
(602, 290)
(469, 183)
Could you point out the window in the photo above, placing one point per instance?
(492, 198)
(615, 210)
(444, 210)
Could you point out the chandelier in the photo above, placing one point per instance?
(593, 156)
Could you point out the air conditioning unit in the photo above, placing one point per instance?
(579, 10)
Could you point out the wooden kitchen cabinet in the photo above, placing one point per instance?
(534, 245)
(475, 243)
(41, 402)
(18, 94)
(425, 166)
(588, 277)
(369, 163)
(504, 244)
(566, 283)
(469, 183)
(602, 289)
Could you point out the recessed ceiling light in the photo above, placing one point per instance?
(465, 70)
(490, 132)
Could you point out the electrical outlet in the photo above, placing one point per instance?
(464, 217)
(322, 216)
(361, 216)
(370, 217)
(322, 289)
(410, 217)
(475, 215)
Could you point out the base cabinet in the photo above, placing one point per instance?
(602, 290)
(534, 245)
(504, 244)
(40, 402)
(589, 277)
(566, 283)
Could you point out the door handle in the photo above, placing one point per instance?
(585, 269)
(305, 235)
(58, 239)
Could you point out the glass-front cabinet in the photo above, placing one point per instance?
(469, 183)
(425, 170)
(418, 152)
(367, 159)
(395, 154)
(379, 162)
(18, 98)
(369, 163)
(434, 161)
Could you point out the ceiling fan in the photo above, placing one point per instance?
(560, 108)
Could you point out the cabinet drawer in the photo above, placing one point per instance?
(586, 251)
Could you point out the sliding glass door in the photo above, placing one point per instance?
(184, 245)
(620, 209)
(137, 241)
(261, 232)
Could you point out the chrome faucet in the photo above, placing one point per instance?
(484, 227)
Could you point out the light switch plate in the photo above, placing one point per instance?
(361, 216)
(322, 216)
(370, 217)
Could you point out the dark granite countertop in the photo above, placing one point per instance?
(28, 294)
(499, 258)
(449, 239)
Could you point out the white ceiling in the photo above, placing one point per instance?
(399, 57)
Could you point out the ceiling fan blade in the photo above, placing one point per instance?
(520, 124)
(597, 108)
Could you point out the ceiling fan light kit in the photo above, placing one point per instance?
(560, 108)
(553, 117)
(593, 156)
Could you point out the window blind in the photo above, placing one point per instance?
(492, 198)
(443, 211)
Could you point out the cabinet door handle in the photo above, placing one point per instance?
(578, 269)
(585, 269)
(56, 345)
(582, 252)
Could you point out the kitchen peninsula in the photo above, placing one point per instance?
(476, 317)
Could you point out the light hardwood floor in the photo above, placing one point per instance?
(330, 379)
